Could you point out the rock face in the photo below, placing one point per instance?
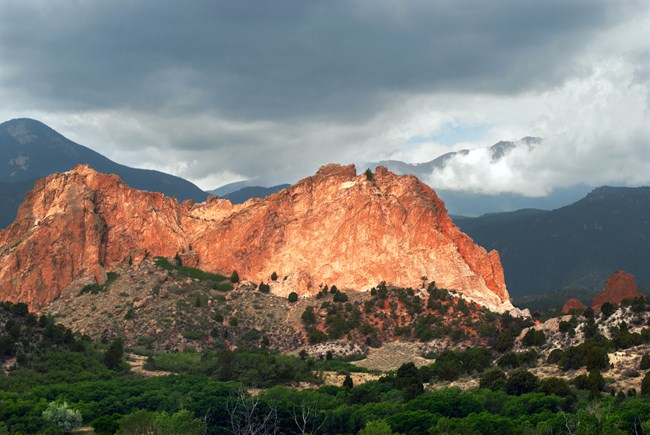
(335, 227)
(572, 304)
(620, 285)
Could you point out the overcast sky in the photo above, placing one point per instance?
(219, 91)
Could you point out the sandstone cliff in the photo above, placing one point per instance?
(620, 285)
(335, 227)
(572, 304)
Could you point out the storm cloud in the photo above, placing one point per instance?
(217, 91)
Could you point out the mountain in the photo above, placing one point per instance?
(468, 203)
(335, 227)
(573, 247)
(245, 193)
(241, 191)
(30, 150)
(11, 195)
(229, 188)
(423, 170)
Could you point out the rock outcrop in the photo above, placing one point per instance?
(620, 285)
(572, 304)
(335, 227)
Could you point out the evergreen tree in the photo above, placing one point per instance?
(114, 354)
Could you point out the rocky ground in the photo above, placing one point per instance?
(158, 309)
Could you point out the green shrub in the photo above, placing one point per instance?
(62, 416)
(193, 335)
(293, 297)
(596, 358)
(308, 316)
(493, 380)
(521, 382)
(534, 338)
(316, 336)
(645, 385)
(556, 386)
(340, 296)
(645, 362)
(607, 309)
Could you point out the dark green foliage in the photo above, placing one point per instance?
(504, 342)
(639, 304)
(645, 362)
(596, 358)
(423, 328)
(20, 309)
(113, 357)
(177, 260)
(233, 321)
(534, 338)
(293, 297)
(556, 386)
(555, 356)
(607, 309)
(274, 276)
(590, 328)
(339, 296)
(645, 385)
(409, 381)
(450, 364)
(521, 382)
(96, 288)
(565, 326)
(512, 360)
(369, 175)
(130, 314)
(181, 422)
(264, 288)
(382, 290)
(106, 424)
(234, 277)
(316, 336)
(347, 382)
(189, 272)
(593, 381)
(592, 352)
(493, 380)
(308, 316)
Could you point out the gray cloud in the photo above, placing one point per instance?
(219, 90)
(287, 58)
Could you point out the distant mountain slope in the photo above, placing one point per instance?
(11, 196)
(244, 194)
(229, 188)
(30, 150)
(577, 246)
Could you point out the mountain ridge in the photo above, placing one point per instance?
(335, 227)
(574, 247)
(33, 150)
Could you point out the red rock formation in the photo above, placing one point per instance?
(335, 227)
(572, 304)
(620, 285)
